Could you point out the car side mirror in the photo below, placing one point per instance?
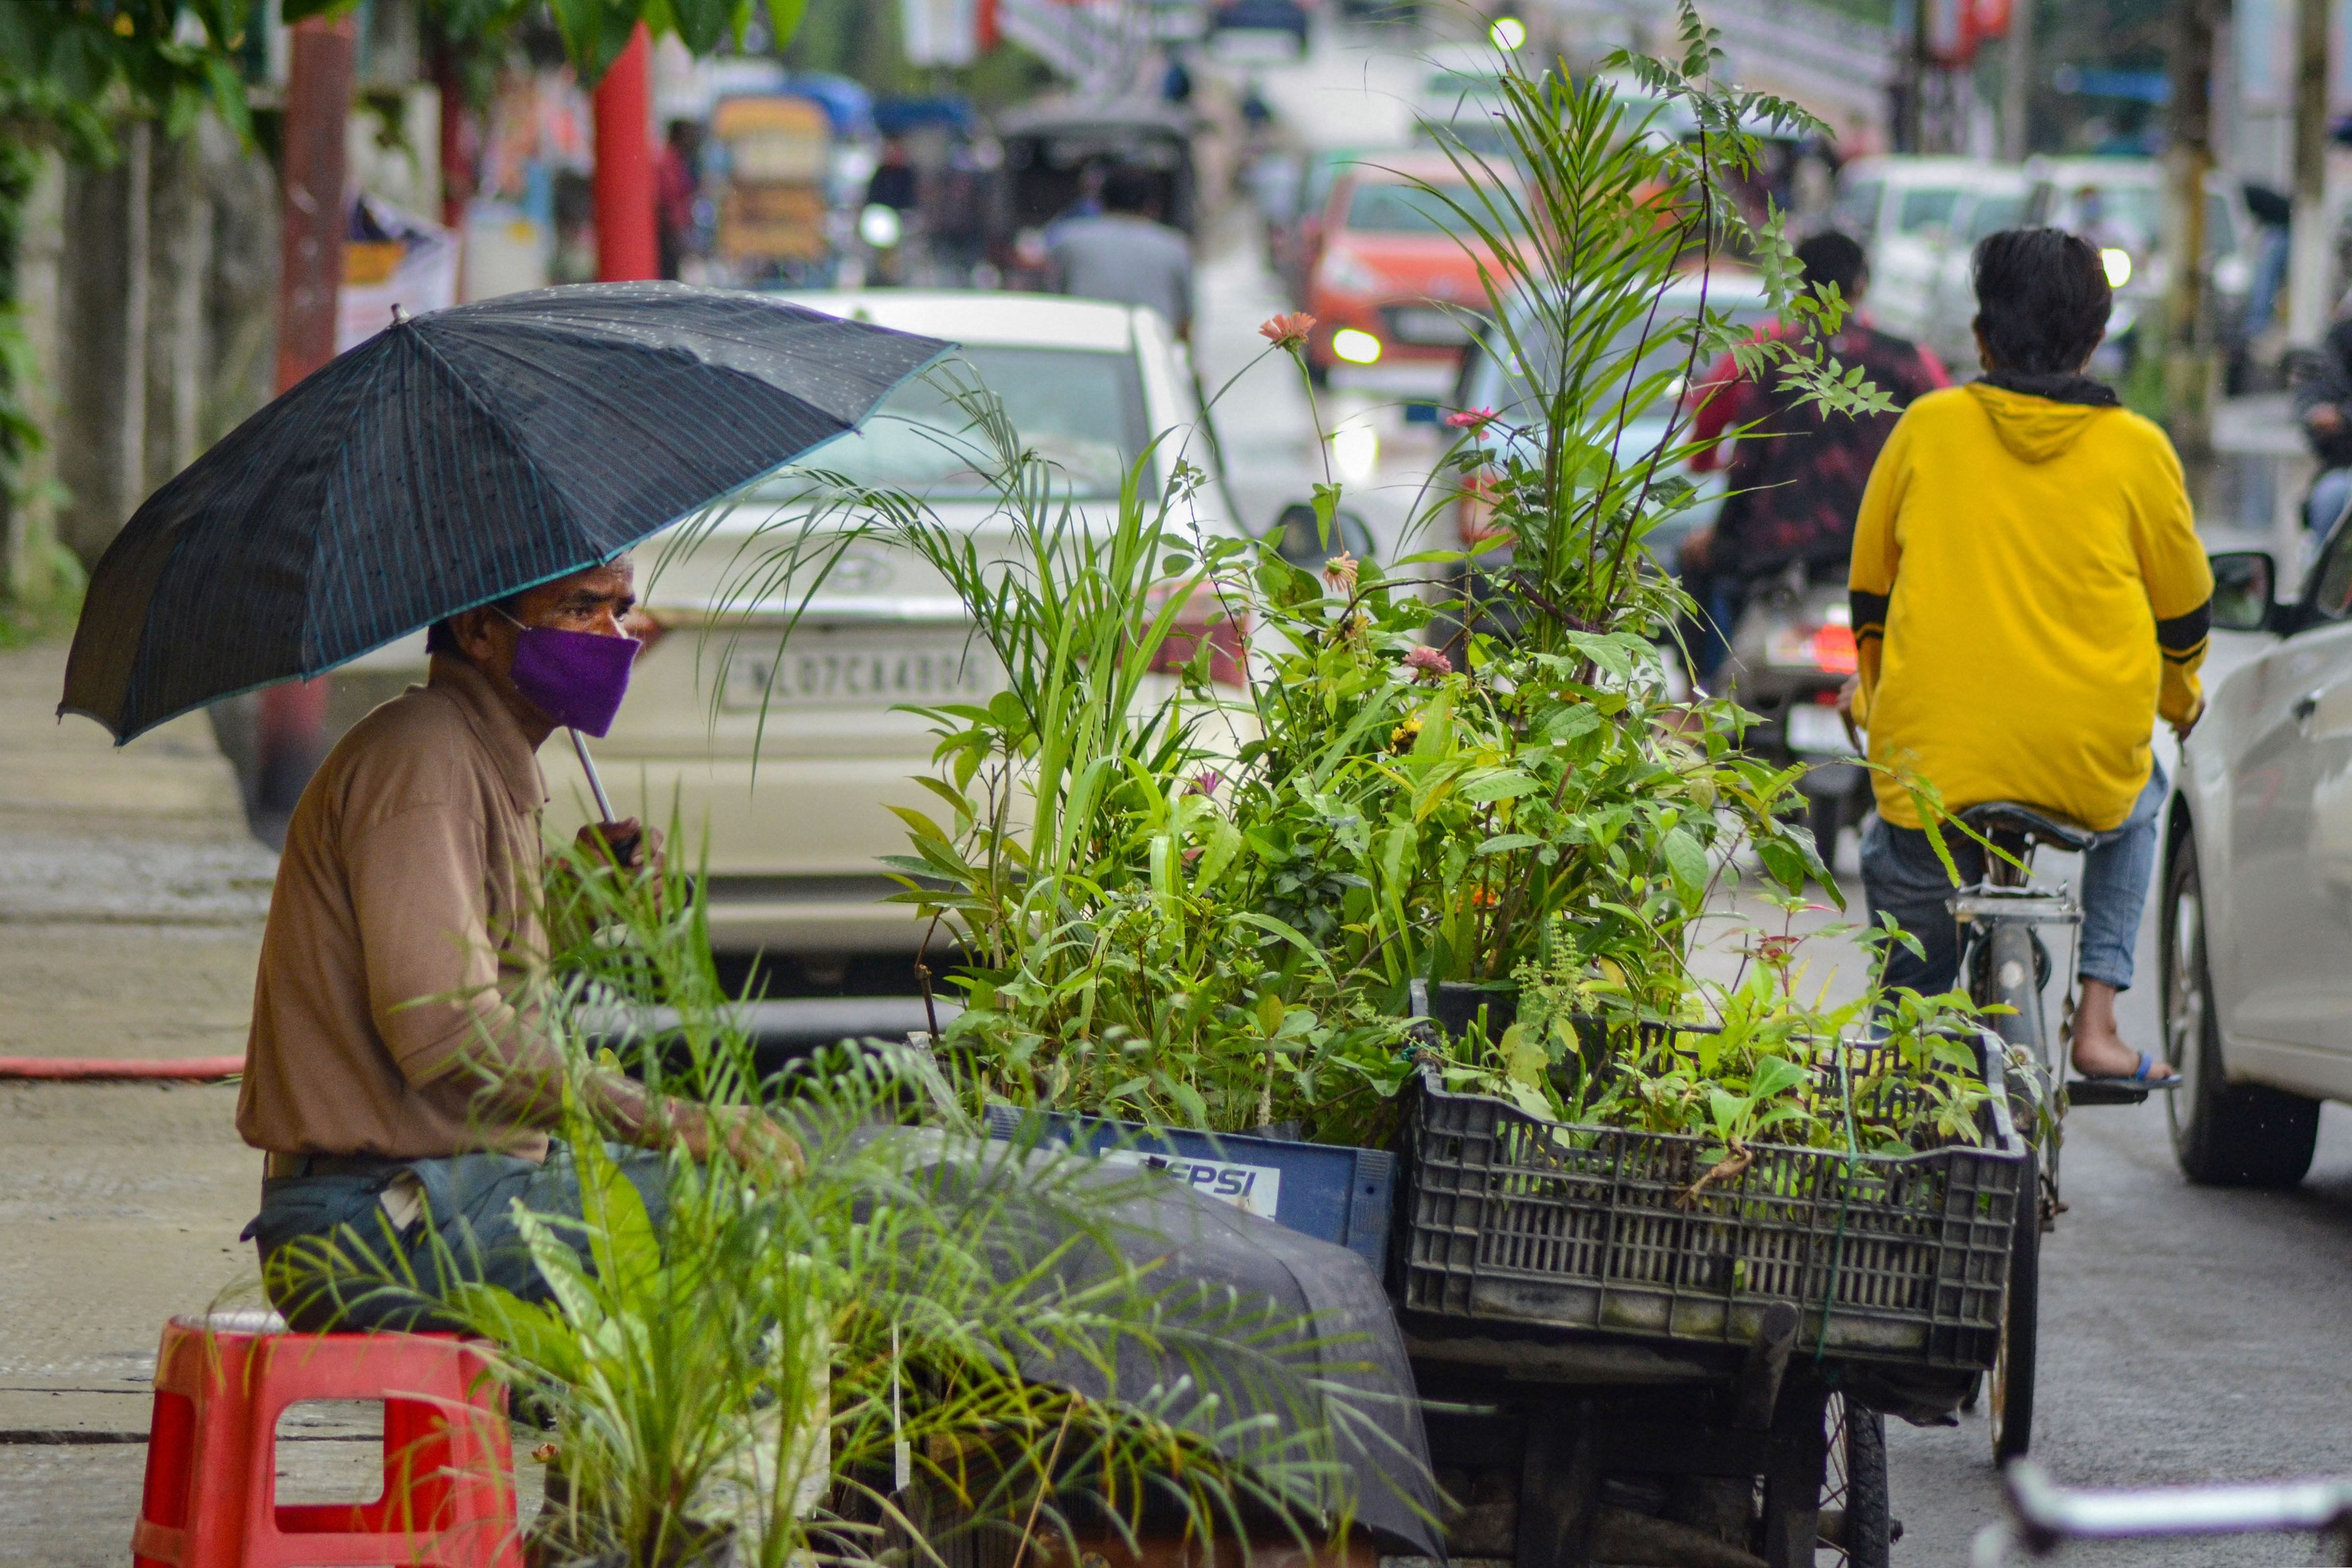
(2245, 591)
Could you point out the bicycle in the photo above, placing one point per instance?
(2006, 967)
(2044, 1516)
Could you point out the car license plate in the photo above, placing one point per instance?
(1425, 324)
(1815, 726)
(814, 669)
(1252, 1189)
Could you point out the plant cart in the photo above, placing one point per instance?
(1623, 1363)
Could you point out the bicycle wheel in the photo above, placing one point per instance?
(2010, 1391)
(1856, 1526)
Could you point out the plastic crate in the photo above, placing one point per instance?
(1333, 1193)
(1508, 1218)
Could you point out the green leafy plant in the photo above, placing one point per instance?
(1204, 901)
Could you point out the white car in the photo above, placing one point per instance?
(781, 757)
(2256, 896)
(2117, 204)
(1904, 209)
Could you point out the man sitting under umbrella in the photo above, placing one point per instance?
(402, 1094)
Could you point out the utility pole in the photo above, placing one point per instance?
(627, 248)
(293, 714)
(2017, 82)
(2310, 261)
(2187, 159)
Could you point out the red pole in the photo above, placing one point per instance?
(310, 258)
(310, 247)
(627, 248)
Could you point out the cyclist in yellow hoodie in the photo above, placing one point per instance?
(2029, 597)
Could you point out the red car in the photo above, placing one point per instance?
(1395, 275)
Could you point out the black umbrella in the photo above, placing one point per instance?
(451, 461)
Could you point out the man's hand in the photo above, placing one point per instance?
(1697, 548)
(2323, 418)
(626, 844)
(2182, 730)
(763, 1150)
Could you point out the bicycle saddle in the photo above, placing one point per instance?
(1995, 818)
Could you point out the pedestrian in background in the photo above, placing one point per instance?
(1125, 254)
(676, 179)
(1795, 473)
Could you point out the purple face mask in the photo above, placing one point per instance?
(576, 679)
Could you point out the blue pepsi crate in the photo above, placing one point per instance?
(1318, 1189)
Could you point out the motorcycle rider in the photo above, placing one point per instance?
(2029, 597)
(2323, 405)
(1796, 475)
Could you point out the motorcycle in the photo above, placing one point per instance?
(1792, 650)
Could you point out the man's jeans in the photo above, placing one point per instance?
(1900, 877)
(380, 1278)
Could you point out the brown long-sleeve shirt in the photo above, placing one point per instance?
(404, 914)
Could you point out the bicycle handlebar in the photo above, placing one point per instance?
(2046, 1514)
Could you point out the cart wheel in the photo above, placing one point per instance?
(1856, 1522)
(2012, 1389)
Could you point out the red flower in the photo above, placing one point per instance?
(1470, 418)
(1288, 331)
(1428, 661)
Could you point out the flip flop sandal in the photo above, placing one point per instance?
(2137, 1078)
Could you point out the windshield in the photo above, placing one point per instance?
(1496, 385)
(1081, 410)
(1992, 214)
(2126, 217)
(1925, 208)
(1409, 209)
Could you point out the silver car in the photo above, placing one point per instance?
(2257, 882)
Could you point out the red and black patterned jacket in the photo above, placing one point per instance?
(1797, 476)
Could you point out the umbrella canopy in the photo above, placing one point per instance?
(451, 461)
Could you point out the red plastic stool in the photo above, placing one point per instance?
(221, 1384)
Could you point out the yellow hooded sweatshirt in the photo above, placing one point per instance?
(2029, 594)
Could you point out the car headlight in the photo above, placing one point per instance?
(1345, 271)
(1355, 347)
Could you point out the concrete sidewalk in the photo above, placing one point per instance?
(131, 898)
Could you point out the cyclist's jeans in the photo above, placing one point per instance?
(1900, 877)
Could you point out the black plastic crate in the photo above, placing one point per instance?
(1509, 1218)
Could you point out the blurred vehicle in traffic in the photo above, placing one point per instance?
(1949, 327)
(1294, 240)
(1489, 379)
(2117, 204)
(1054, 154)
(1905, 211)
(1792, 650)
(1459, 101)
(771, 155)
(767, 720)
(1395, 279)
(1260, 16)
(2256, 896)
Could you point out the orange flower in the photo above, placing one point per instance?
(1288, 331)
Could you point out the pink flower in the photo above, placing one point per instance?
(1470, 418)
(1429, 662)
(1288, 331)
(1340, 573)
(1205, 782)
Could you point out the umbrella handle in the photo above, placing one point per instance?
(595, 785)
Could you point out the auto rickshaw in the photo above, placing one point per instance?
(770, 155)
(1054, 155)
